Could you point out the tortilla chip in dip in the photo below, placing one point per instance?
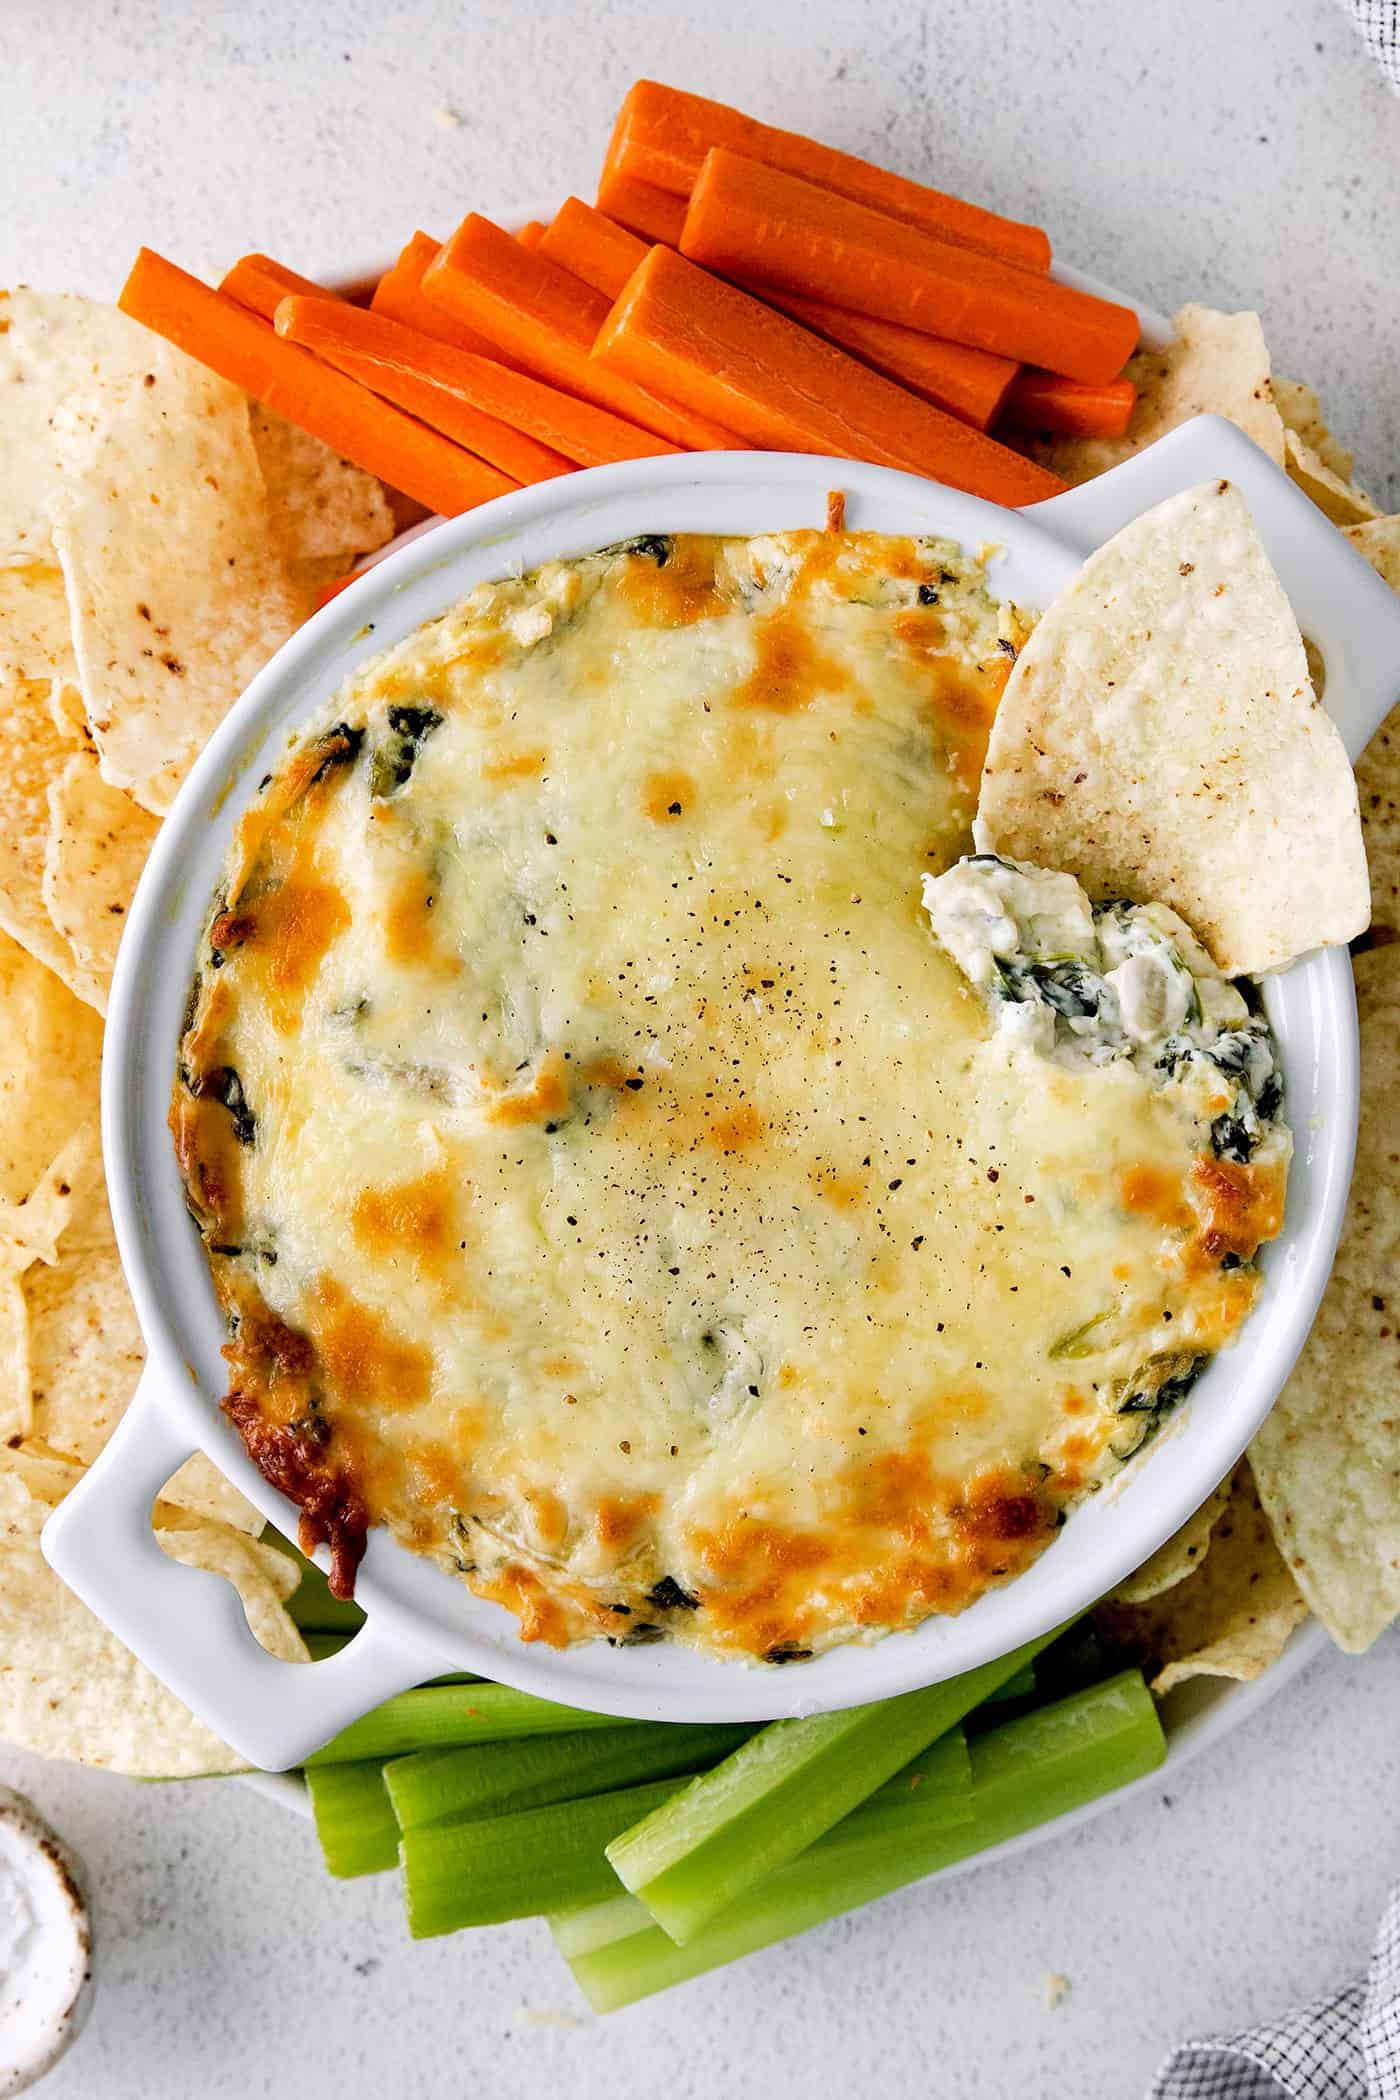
(1216, 365)
(1328, 1458)
(1160, 738)
(1230, 1618)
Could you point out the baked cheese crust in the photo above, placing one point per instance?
(614, 1186)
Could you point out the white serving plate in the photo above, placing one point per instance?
(191, 1634)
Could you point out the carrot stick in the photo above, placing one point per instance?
(399, 296)
(662, 136)
(970, 384)
(639, 206)
(347, 417)
(406, 368)
(711, 344)
(446, 386)
(260, 284)
(756, 223)
(531, 233)
(542, 319)
(334, 588)
(592, 246)
(1039, 400)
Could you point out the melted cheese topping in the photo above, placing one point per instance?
(616, 1189)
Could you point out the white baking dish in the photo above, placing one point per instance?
(188, 1627)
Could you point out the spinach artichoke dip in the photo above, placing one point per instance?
(646, 1167)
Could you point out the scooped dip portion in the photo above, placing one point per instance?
(625, 1189)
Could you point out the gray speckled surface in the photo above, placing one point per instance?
(1243, 154)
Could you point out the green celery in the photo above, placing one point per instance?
(733, 1826)
(541, 1860)
(438, 1715)
(496, 1779)
(1021, 1686)
(938, 1781)
(1023, 1773)
(354, 1820)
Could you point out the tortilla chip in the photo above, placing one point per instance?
(1231, 1618)
(177, 591)
(1178, 1556)
(50, 1059)
(1379, 540)
(1378, 768)
(66, 365)
(324, 509)
(33, 752)
(83, 1351)
(41, 726)
(1218, 365)
(96, 848)
(1159, 738)
(1302, 411)
(1328, 1458)
(1342, 501)
(68, 1688)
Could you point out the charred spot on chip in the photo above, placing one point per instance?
(667, 1595)
(787, 1652)
(396, 753)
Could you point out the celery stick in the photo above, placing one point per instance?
(1023, 1773)
(496, 1779)
(766, 1803)
(939, 1780)
(354, 1821)
(1021, 1686)
(543, 1859)
(437, 1715)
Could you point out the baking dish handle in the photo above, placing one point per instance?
(1346, 611)
(186, 1624)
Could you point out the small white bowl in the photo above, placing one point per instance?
(187, 1626)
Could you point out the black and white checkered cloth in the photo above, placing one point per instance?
(1346, 2047)
(1379, 23)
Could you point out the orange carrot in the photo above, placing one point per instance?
(399, 296)
(708, 343)
(334, 588)
(260, 284)
(639, 206)
(542, 319)
(406, 368)
(1043, 401)
(662, 136)
(531, 233)
(445, 386)
(347, 417)
(969, 383)
(756, 223)
(593, 247)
